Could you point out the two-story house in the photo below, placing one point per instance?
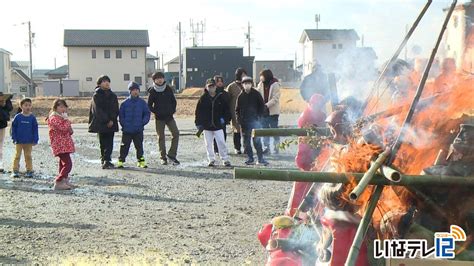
(322, 46)
(120, 54)
(5, 71)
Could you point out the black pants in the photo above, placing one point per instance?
(216, 150)
(127, 139)
(270, 121)
(106, 141)
(257, 143)
(237, 141)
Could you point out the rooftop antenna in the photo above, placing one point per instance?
(317, 19)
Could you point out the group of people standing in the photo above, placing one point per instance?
(241, 104)
(246, 108)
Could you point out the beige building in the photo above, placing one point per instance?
(120, 54)
(322, 46)
(460, 28)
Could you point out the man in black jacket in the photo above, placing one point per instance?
(162, 103)
(103, 114)
(212, 115)
(5, 108)
(249, 111)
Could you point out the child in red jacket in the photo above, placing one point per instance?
(60, 135)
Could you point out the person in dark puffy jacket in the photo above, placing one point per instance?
(103, 115)
(133, 116)
(5, 108)
(212, 115)
(249, 112)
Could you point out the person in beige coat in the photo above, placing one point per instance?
(234, 89)
(269, 88)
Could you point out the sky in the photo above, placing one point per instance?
(276, 25)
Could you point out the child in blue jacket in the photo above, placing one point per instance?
(24, 133)
(133, 116)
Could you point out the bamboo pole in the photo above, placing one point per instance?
(374, 167)
(330, 177)
(363, 226)
(286, 132)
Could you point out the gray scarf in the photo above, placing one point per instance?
(158, 88)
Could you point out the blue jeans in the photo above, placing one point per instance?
(270, 121)
(257, 143)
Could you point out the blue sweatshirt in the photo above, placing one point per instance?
(25, 129)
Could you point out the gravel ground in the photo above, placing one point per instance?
(163, 214)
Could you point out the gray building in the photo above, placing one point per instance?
(283, 70)
(201, 63)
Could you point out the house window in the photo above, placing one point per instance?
(106, 53)
(94, 54)
(23, 89)
(88, 79)
(134, 53)
(138, 80)
(126, 77)
(118, 53)
(339, 46)
(334, 46)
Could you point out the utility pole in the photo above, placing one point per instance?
(247, 36)
(317, 19)
(30, 45)
(180, 79)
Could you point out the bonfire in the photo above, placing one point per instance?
(395, 182)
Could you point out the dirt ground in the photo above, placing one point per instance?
(291, 102)
(163, 214)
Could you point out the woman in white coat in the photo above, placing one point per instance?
(269, 88)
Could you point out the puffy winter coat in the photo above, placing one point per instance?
(104, 108)
(5, 113)
(249, 109)
(212, 113)
(134, 115)
(60, 134)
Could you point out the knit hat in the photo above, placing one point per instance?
(133, 85)
(247, 79)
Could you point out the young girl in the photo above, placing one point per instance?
(24, 133)
(60, 136)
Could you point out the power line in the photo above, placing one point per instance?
(197, 30)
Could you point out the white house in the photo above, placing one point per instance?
(458, 30)
(20, 82)
(22, 65)
(5, 71)
(172, 65)
(120, 54)
(322, 46)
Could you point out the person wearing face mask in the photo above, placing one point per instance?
(234, 89)
(249, 111)
(212, 115)
(269, 88)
